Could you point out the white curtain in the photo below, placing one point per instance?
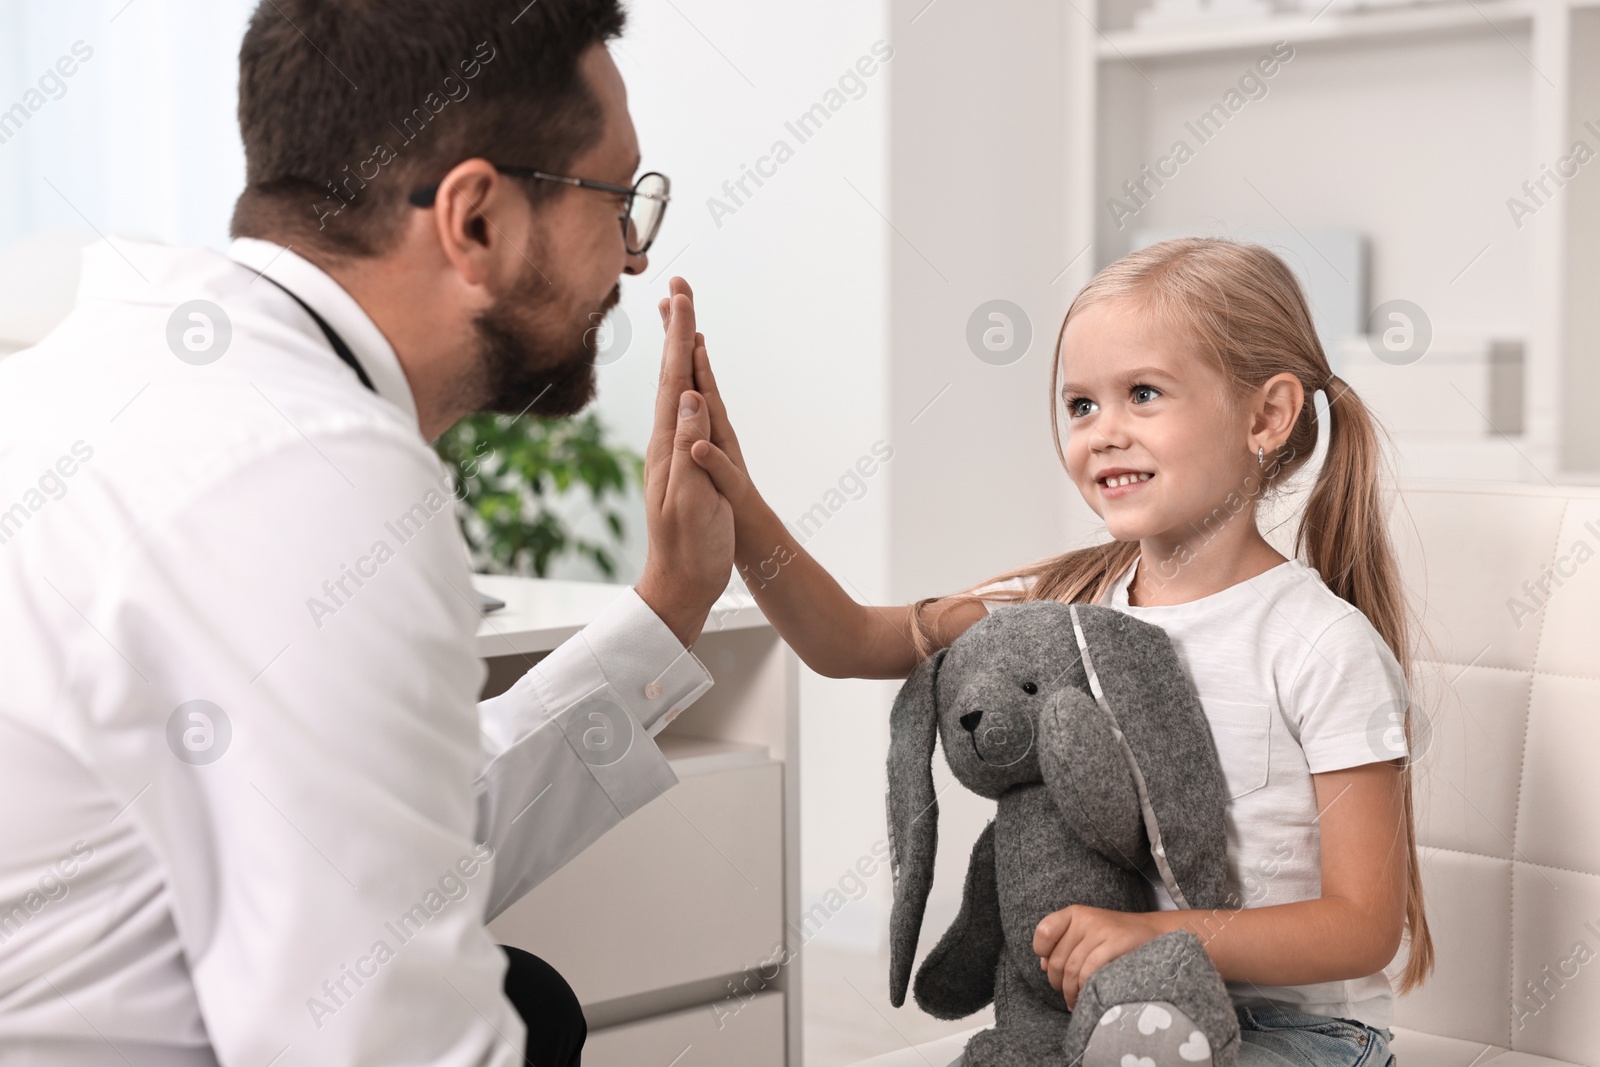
(140, 138)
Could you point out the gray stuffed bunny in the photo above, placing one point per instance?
(1080, 722)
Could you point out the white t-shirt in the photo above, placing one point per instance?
(1294, 681)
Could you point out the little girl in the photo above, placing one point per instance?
(1187, 373)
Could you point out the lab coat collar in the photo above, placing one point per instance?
(330, 299)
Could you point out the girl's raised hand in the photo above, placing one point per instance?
(832, 633)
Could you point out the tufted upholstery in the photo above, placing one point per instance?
(1507, 780)
(1507, 788)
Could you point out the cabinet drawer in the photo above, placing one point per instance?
(751, 1038)
(689, 887)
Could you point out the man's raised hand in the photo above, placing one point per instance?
(689, 524)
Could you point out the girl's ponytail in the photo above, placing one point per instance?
(1344, 536)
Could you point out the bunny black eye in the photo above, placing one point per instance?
(1029, 688)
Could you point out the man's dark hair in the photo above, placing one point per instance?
(347, 105)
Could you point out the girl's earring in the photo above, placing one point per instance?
(1261, 455)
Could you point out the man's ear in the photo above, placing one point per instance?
(474, 213)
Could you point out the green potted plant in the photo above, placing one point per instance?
(510, 470)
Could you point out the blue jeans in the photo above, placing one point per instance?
(1278, 1037)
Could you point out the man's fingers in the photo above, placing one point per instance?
(677, 372)
(692, 423)
(680, 336)
(682, 471)
(677, 375)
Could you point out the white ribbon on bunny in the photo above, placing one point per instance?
(1152, 830)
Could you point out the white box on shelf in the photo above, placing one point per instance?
(1463, 389)
(1330, 263)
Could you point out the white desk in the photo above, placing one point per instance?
(672, 926)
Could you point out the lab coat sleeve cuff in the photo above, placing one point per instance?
(626, 646)
(644, 661)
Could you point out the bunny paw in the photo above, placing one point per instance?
(1146, 1034)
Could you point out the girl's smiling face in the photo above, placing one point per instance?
(1155, 443)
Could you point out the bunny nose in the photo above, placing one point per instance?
(969, 721)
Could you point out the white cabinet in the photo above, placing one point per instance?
(674, 929)
(687, 889)
(694, 1038)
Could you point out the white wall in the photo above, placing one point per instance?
(141, 139)
(978, 186)
(791, 293)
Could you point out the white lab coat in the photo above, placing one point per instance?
(261, 533)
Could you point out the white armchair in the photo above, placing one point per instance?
(1507, 579)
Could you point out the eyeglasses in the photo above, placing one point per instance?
(641, 214)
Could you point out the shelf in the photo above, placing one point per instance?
(1489, 94)
(1201, 40)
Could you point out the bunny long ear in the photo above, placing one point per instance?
(913, 815)
(1139, 682)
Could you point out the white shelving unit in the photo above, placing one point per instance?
(1413, 125)
(678, 928)
(1333, 25)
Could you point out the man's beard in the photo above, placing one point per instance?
(532, 359)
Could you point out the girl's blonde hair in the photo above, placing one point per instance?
(1244, 311)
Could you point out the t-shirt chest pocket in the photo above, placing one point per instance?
(1243, 736)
